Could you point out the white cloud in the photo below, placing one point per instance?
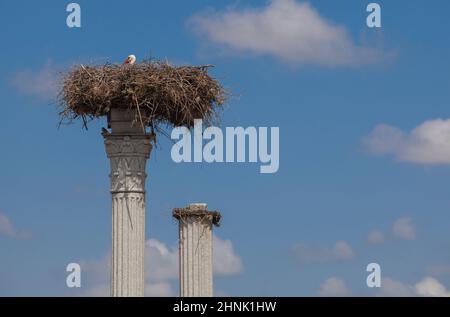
(7, 229)
(226, 261)
(430, 287)
(161, 262)
(152, 289)
(404, 229)
(394, 288)
(375, 237)
(334, 287)
(159, 289)
(303, 253)
(342, 250)
(161, 268)
(289, 30)
(427, 287)
(428, 143)
(40, 83)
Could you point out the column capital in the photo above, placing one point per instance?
(126, 145)
(197, 211)
(128, 155)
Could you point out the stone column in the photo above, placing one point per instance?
(128, 148)
(196, 249)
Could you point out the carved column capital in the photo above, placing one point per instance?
(124, 145)
(128, 155)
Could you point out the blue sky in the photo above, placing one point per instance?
(363, 144)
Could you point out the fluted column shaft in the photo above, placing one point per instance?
(196, 250)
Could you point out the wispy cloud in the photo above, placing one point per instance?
(161, 261)
(286, 29)
(375, 237)
(428, 143)
(427, 287)
(334, 287)
(430, 287)
(161, 268)
(393, 288)
(306, 254)
(404, 229)
(7, 229)
(226, 261)
(40, 83)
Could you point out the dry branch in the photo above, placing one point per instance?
(183, 213)
(162, 94)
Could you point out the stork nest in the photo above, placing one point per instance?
(183, 213)
(159, 92)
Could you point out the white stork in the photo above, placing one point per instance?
(131, 59)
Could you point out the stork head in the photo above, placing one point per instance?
(131, 59)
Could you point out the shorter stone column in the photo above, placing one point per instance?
(196, 249)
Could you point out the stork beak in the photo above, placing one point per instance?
(126, 61)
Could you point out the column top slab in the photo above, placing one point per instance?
(197, 210)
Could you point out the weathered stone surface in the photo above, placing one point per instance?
(128, 155)
(196, 250)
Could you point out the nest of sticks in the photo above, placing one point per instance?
(159, 92)
(183, 213)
